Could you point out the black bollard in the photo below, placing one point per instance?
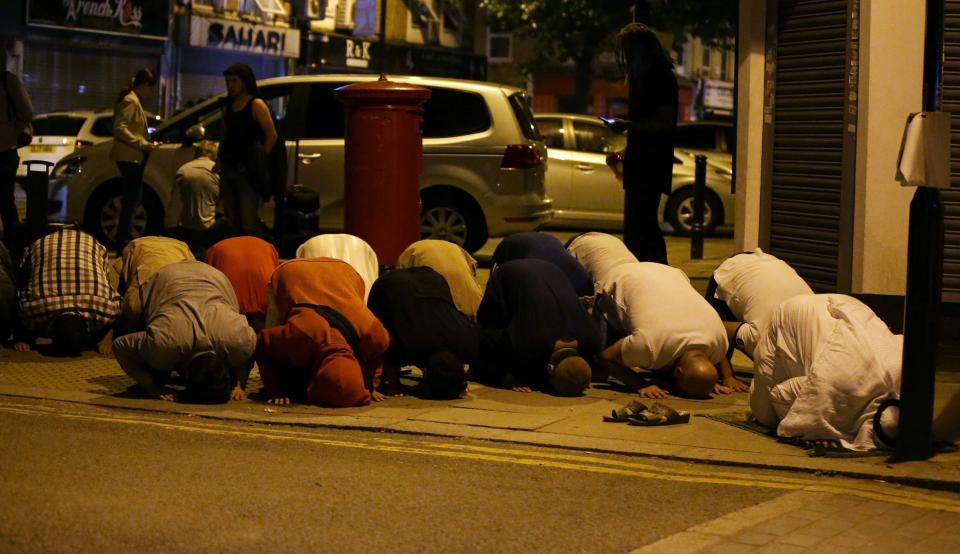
(921, 325)
(696, 227)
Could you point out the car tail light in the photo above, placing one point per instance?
(520, 156)
(81, 144)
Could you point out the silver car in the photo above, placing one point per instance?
(483, 159)
(587, 194)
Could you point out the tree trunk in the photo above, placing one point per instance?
(583, 82)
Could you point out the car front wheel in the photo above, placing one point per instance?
(445, 217)
(679, 211)
(102, 216)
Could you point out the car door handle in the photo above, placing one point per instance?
(307, 158)
(585, 167)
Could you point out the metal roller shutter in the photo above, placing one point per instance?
(951, 198)
(59, 77)
(809, 138)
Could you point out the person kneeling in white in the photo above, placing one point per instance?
(669, 327)
(753, 285)
(824, 364)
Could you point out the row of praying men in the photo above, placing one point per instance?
(326, 328)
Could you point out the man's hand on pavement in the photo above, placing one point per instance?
(20, 346)
(652, 391)
(238, 393)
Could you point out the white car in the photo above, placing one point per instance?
(482, 173)
(586, 193)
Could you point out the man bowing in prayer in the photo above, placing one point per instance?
(328, 349)
(535, 334)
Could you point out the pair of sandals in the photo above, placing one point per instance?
(637, 413)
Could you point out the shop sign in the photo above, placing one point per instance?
(145, 18)
(238, 36)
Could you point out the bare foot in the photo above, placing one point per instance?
(21, 346)
(279, 401)
(105, 345)
(652, 391)
(827, 444)
(168, 395)
(521, 389)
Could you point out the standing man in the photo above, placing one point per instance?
(16, 112)
(244, 152)
(131, 144)
(648, 160)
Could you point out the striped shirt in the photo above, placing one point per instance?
(66, 273)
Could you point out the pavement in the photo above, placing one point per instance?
(713, 436)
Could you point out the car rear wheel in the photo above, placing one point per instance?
(454, 219)
(679, 211)
(102, 215)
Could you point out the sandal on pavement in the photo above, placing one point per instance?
(657, 415)
(621, 415)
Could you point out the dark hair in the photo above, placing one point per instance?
(144, 76)
(207, 379)
(69, 334)
(443, 377)
(243, 72)
(639, 49)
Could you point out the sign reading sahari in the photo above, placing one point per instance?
(238, 36)
(144, 18)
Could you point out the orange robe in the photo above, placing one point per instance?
(248, 262)
(305, 342)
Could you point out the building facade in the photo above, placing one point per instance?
(78, 54)
(825, 89)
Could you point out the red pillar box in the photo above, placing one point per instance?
(382, 163)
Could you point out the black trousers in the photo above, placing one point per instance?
(130, 199)
(641, 228)
(8, 207)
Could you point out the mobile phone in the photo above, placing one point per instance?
(608, 120)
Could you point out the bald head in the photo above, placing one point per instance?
(695, 375)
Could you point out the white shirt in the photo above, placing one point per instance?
(599, 253)
(197, 191)
(662, 314)
(753, 285)
(353, 250)
(823, 365)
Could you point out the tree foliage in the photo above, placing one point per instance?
(580, 30)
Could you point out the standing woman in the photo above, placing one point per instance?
(131, 144)
(248, 140)
(648, 160)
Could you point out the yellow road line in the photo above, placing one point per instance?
(556, 460)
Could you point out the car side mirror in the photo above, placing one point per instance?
(195, 133)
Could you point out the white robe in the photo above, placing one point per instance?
(753, 285)
(353, 250)
(824, 364)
